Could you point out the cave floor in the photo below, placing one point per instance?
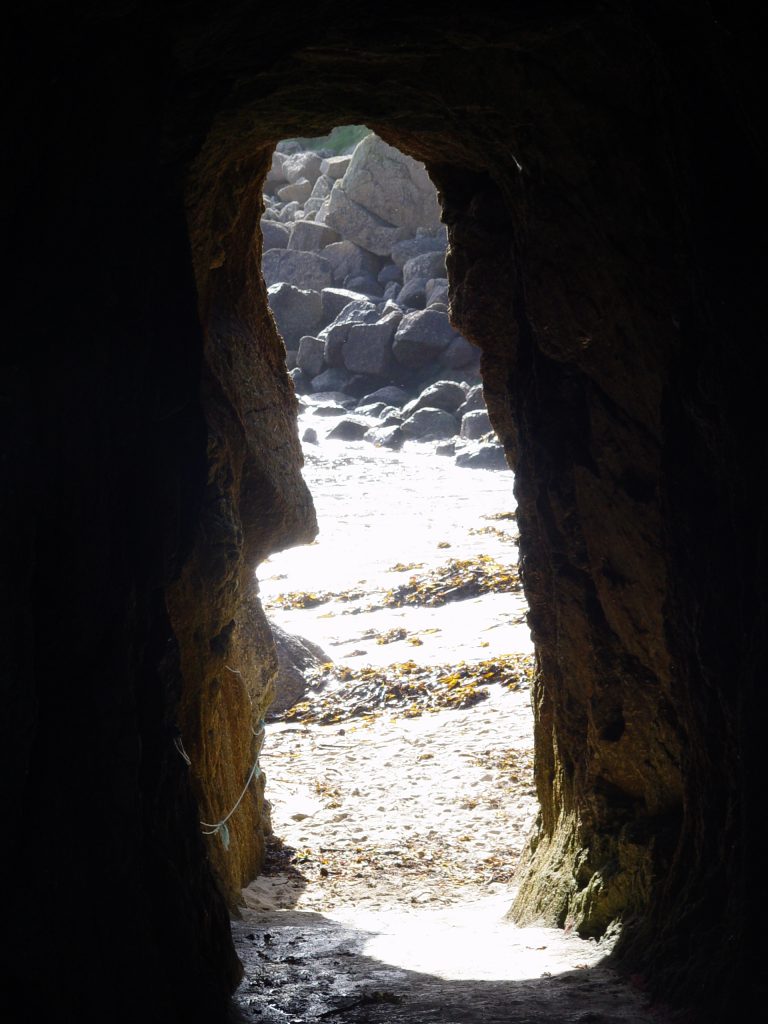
(391, 873)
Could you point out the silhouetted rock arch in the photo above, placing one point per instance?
(613, 292)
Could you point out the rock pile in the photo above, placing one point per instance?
(354, 261)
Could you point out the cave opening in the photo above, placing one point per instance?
(583, 872)
(389, 815)
(416, 554)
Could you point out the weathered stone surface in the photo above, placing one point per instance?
(409, 248)
(413, 294)
(368, 347)
(276, 174)
(333, 379)
(443, 394)
(389, 272)
(322, 188)
(360, 384)
(393, 187)
(475, 423)
(349, 260)
(311, 355)
(275, 234)
(302, 166)
(390, 394)
(335, 299)
(288, 211)
(335, 166)
(358, 224)
(358, 311)
(365, 283)
(484, 456)
(391, 437)
(421, 336)
(348, 430)
(428, 265)
(297, 192)
(437, 291)
(371, 408)
(330, 410)
(310, 237)
(295, 657)
(430, 424)
(310, 436)
(459, 353)
(306, 270)
(475, 400)
(297, 311)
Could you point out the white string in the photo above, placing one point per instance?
(211, 828)
(177, 742)
(215, 828)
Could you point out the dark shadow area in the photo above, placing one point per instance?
(283, 861)
(304, 966)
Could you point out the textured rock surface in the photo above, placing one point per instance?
(381, 192)
(349, 260)
(297, 311)
(443, 394)
(475, 423)
(308, 270)
(430, 424)
(600, 181)
(421, 336)
(310, 237)
(295, 657)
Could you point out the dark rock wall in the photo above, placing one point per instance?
(255, 502)
(109, 907)
(599, 180)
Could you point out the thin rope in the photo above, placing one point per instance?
(217, 826)
(211, 828)
(178, 743)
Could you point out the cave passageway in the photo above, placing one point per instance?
(398, 759)
(409, 602)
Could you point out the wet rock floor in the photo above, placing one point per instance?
(401, 785)
(391, 873)
(305, 966)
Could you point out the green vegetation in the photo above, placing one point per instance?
(341, 140)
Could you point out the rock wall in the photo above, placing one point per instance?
(255, 502)
(599, 180)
